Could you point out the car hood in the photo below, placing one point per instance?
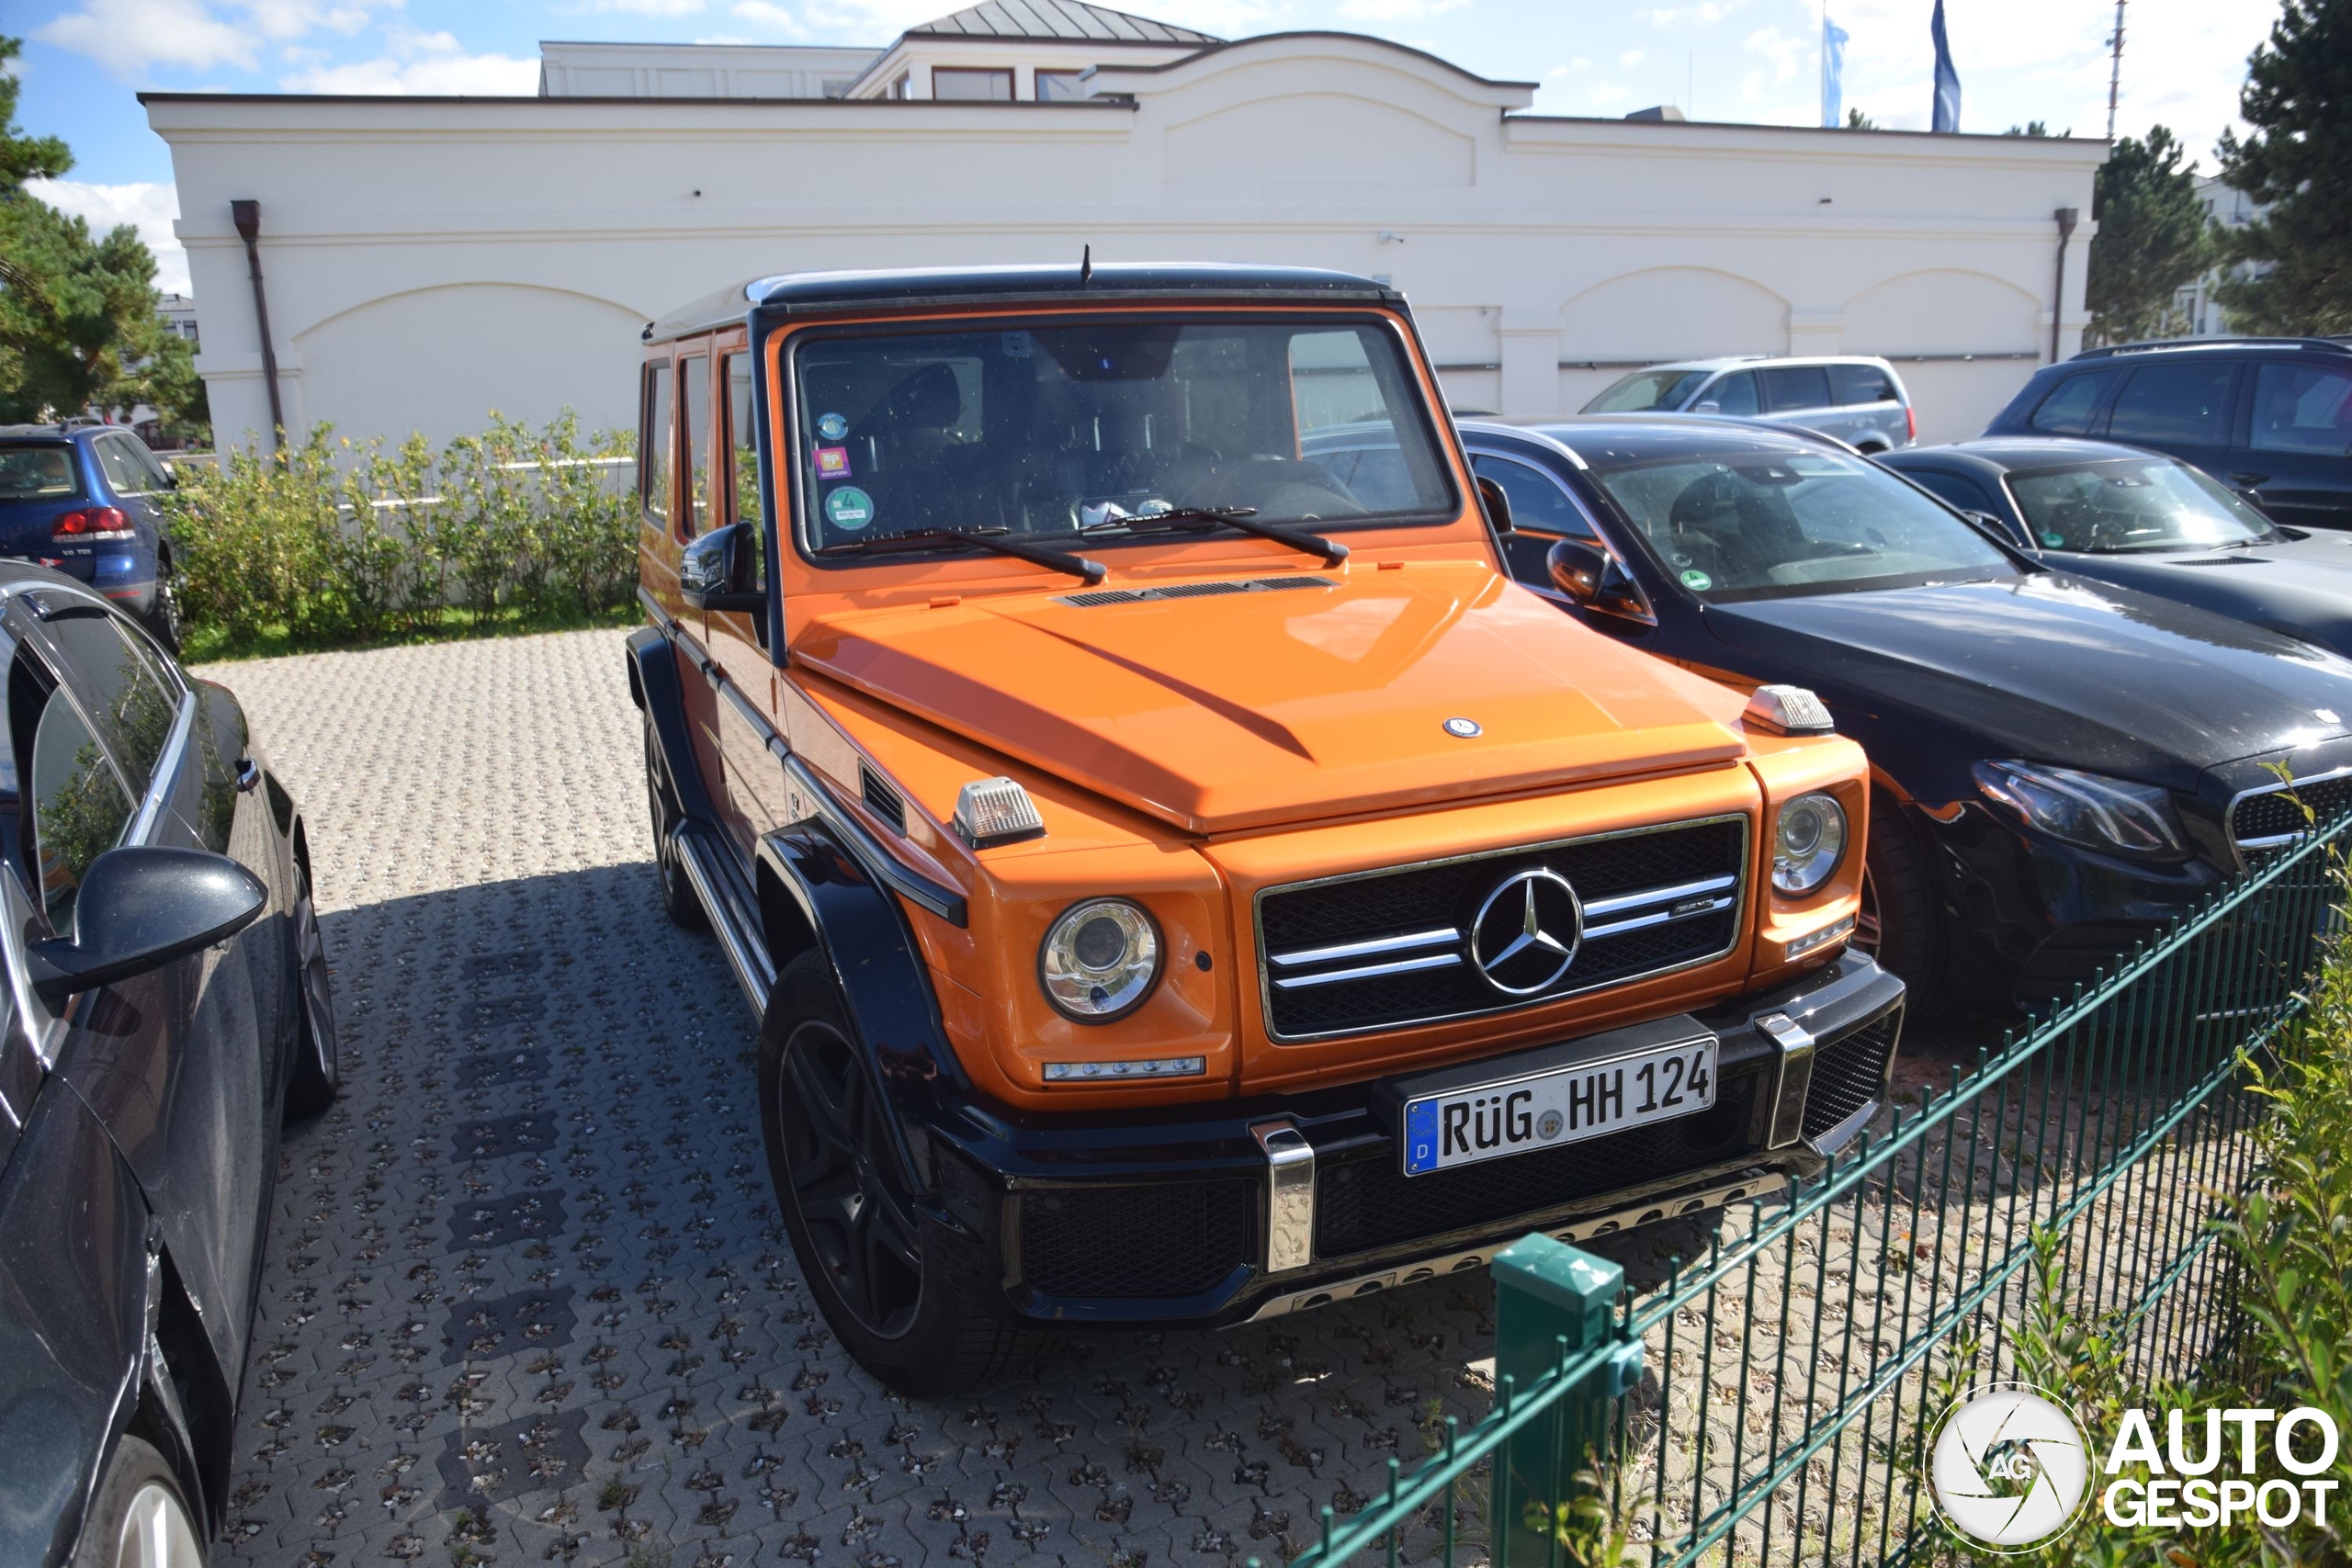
(2057, 669)
(1236, 710)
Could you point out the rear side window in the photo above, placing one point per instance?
(653, 444)
(37, 473)
(1958, 489)
(128, 698)
(742, 439)
(121, 474)
(1861, 384)
(2299, 408)
(2184, 402)
(1788, 387)
(694, 433)
(1734, 394)
(2069, 408)
(80, 809)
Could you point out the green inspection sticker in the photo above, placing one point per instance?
(849, 507)
(2053, 539)
(1696, 579)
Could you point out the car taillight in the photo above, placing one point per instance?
(1910, 422)
(91, 523)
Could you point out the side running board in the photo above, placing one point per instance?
(732, 914)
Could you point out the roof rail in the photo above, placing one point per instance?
(2313, 345)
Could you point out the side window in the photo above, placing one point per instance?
(2299, 408)
(2184, 402)
(744, 457)
(1734, 394)
(1958, 489)
(148, 464)
(653, 444)
(1861, 384)
(693, 434)
(127, 696)
(2069, 409)
(80, 807)
(1788, 387)
(122, 475)
(1538, 505)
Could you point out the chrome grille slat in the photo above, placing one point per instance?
(1657, 896)
(1366, 949)
(1402, 967)
(1641, 922)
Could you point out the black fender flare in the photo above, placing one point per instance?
(814, 893)
(654, 684)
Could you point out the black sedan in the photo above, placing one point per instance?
(2063, 765)
(166, 1002)
(2143, 520)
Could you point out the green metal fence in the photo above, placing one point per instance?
(1766, 1405)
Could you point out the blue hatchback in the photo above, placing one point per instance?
(87, 499)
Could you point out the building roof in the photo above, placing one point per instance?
(1054, 21)
(793, 293)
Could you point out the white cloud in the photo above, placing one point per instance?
(146, 207)
(294, 18)
(1706, 13)
(633, 7)
(132, 37)
(1398, 10)
(1630, 59)
(775, 17)
(424, 64)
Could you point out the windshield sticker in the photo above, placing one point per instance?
(2053, 538)
(849, 507)
(1696, 581)
(832, 426)
(833, 462)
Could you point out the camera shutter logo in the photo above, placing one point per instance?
(2009, 1467)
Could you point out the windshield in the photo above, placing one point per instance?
(1789, 523)
(1647, 390)
(1046, 431)
(2148, 504)
(37, 473)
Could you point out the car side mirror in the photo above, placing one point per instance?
(1710, 406)
(1497, 502)
(139, 909)
(715, 572)
(1591, 578)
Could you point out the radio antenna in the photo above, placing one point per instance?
(1086, 265)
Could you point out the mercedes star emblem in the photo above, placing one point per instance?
(1462, 728)
(1527, 931)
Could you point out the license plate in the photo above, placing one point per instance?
(1565, 1105)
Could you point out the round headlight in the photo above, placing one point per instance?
(1807, 844)
(1099, 960)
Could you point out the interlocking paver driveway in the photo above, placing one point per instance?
(528, 1296)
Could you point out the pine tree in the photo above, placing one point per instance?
(2154, 237)
(2298, 99)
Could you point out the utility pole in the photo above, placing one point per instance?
(2115, 72)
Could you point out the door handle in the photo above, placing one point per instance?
(2249, 480)
(248, 776)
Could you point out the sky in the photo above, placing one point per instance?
(1756, 61)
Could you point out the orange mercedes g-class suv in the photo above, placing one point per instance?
(1181, 878)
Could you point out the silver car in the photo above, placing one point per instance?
(1858, 400)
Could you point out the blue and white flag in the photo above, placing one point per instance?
(1833, 73)
(1947, 79)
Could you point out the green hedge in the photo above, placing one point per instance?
(332, 542)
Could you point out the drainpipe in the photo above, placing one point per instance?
(246, 215)
(2067, 217)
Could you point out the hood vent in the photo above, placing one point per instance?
(881, 799)
(1102, 596)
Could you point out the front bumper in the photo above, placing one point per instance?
(1263, 1207)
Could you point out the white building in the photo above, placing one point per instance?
(2230, 210)
(428, 260)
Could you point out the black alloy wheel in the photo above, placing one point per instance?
(1899, 924)
(923, 1313)
(679, 899)
(318, 1065)
(162, 617)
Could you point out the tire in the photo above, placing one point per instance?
(162, 617)
(317, 1077)
(678, 898)
(1901, 923)
(919, 1313)
(137, 1517)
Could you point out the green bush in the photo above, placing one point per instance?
(329, 542)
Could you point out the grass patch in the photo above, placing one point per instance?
(212, 645)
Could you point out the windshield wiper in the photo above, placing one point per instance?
(1092, 571)
(1242, 519)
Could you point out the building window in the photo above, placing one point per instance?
(1060, 87)
(967, 85)
(904, 86)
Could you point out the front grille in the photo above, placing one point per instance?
(1168, 1239)
(1367, 1203)
(1388, 949)
(1850, 1071)
(2276, 815)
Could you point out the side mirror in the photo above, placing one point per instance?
(715, 572)
(140, 908)
(1591, 578)
(1710, 406)
(1497, 502)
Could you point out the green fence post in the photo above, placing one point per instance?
(1546, 1293)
